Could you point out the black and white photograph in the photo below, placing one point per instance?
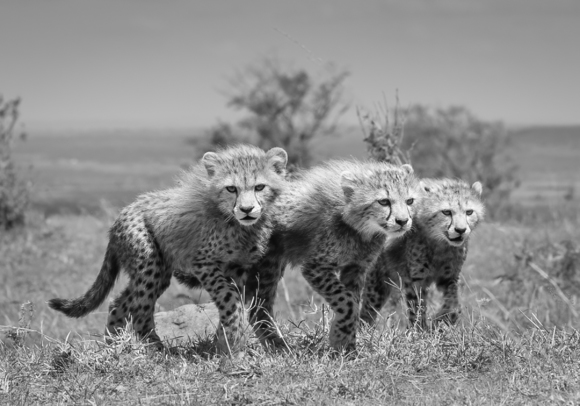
(273, 202)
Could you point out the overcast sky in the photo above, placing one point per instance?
(162, 63)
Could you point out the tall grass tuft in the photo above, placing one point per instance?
(383, 137)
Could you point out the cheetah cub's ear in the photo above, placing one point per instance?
(348, 184)
(477, 188)
(210, 161)
(277, 158)
(408, 168)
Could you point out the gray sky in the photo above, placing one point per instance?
(162, 63)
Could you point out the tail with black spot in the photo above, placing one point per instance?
(96, 295)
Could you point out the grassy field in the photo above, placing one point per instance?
(517, 341)
(547, 158)
(473, 364)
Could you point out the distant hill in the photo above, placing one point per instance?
(564, 136)
(548, 159)
(345, 143)
(73, 171)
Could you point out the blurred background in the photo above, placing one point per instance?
(102, 101)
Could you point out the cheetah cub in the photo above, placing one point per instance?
(434, 251)
(214, 224)
(333, 222)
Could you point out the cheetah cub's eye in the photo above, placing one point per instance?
(469, 212)
(446, 212)
(231, 189)
(384, 202)
(259, 187)
(410, 201)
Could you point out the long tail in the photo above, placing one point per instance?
(96, 295)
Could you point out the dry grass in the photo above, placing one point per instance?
(516, 342)
(473, 363)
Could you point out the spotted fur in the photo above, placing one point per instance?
(333, 221)
(434, 251)
(213, 225)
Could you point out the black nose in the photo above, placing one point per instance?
(401, 222)
(460, 230)
(247, 210)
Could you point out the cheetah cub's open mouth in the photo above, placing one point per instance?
(402, 230)
(396, 232)
(248, 220)
(456, 241)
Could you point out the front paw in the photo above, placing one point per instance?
(341, 341)
(276, 345)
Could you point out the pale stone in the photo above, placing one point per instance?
(186, 324)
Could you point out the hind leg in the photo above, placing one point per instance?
(119, 313)
(148, 279)
(143, 307)
(137, 303)
(376, 293)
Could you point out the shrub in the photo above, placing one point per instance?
(14, 195)
(452, 142)
(283, 107)
(449, 142)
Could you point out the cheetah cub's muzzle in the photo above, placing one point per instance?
(456, 237)
(403, 224)
(243, 194)
(247, 210)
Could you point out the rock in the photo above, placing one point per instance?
(187, 323)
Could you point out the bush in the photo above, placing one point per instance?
(14, 195)
(453, 143)
(449, 142)
(283, 107)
